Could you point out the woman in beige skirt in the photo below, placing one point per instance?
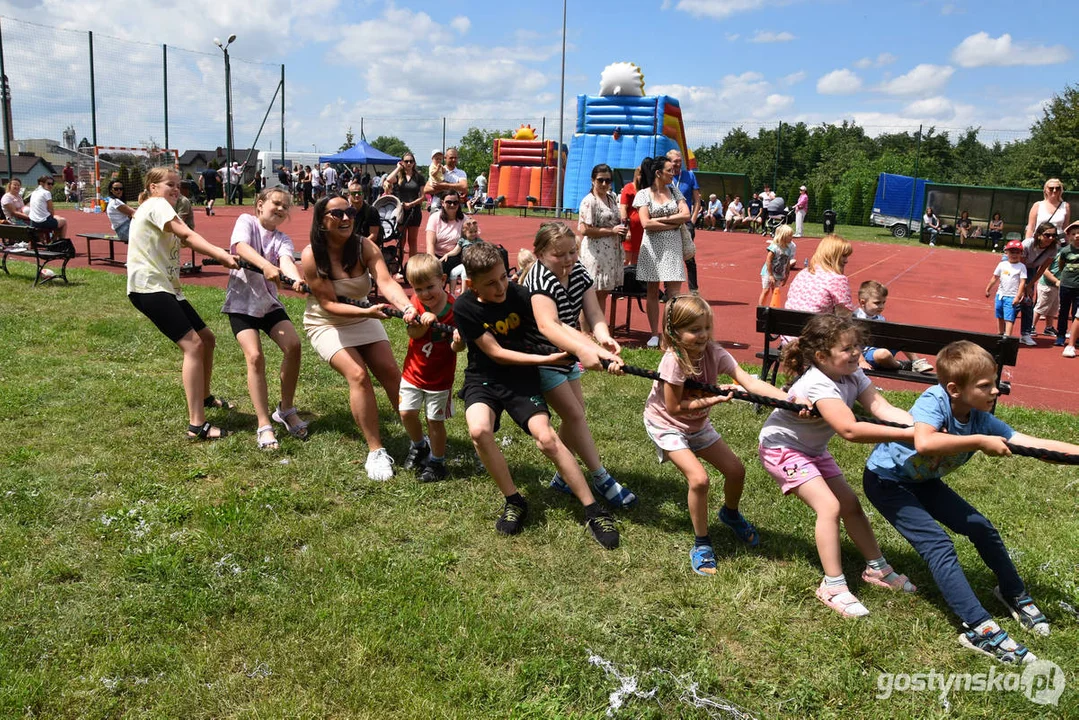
(339, 262)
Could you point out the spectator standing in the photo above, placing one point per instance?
(285, 179)
(663, 211)
(800, 209)
(767, 195)
(210, 185)
(1068, 273)
(691, 192)
(367, 223)
(1051, 209)
(453, 179)
(601, 226)
(306, 185)
(406, 182)
(329, 175)
(631, 245)
(1038, 254)
(481, 181)
(931, 224)
(317, 183)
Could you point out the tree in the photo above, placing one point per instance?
(390, 144)
(1053, 139)
(475, 149)
(350, 140)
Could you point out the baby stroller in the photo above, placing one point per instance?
(391, 237)
(776, 213)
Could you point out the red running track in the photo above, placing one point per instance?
(928, 286)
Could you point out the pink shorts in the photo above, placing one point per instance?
(790, 468)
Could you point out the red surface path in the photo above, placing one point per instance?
(928, 286)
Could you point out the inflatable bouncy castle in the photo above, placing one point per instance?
(621, 127)
(524, 167)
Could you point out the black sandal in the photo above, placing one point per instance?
(221, 403)
(194, 432)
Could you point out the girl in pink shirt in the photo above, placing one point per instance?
(677, 421)
(823, 287)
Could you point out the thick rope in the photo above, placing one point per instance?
(1037, 453)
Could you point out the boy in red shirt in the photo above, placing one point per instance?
(429, 369)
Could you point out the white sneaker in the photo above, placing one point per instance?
(921, 365)
(1027, 340)
(379, 465)
(1069, 351)
(653, 342)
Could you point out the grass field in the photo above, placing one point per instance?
(145, 576)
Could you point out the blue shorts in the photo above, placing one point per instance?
(550, 378)
(867, 353)
(1005, 310)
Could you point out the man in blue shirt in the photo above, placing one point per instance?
(952, 421)
(691, 191)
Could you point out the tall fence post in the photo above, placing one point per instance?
(775, 168)
(443, 134)
(282, 114)
(165, 85)
(914, 190)
(93, 97)
(6, 92)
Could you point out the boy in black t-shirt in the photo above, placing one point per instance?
(492, 316)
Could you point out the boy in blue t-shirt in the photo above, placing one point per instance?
(952, 421)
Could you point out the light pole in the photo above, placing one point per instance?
(228, 116)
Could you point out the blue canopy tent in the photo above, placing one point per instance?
(360, 154)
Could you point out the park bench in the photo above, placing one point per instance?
(23, 241)
(111, 239)
(920, 339)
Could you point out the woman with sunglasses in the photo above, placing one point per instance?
(42, 218)
(119, 212)
(339, 262)
(1052, 209)
(663, 212)
(600, 223)
(406, 182)
(444, 230)
(1038, 254)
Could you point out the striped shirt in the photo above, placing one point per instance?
(568, 298)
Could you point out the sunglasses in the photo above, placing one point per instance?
(1049, 235)
(116, 187)
(355, 193)
(49, 184)
(408, 162)
(605, 181)
(1056, 188)
(450, 203)
(342, 213)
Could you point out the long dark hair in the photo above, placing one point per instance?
(442, 213)
(350, 252)
(649, 166)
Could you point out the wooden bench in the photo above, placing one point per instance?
(12, 234)
(111, 239)
(920, 339)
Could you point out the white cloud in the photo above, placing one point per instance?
(794, 78)
(937, 108)
(839, 82)
(461, 24)
(731, 37)
(717, 9)
(738, 99)
(981, 50)
(925, 79)
(885, 58)
(767, 36)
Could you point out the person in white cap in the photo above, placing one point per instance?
(800, 209)
(453, 178)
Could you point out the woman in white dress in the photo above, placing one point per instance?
(663, 212)
(1052, 209)
(601, 226)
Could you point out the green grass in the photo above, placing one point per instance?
(144, 576)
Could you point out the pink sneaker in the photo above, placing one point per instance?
(842, 600)
(888, 578)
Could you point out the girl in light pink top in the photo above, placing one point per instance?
(823, 287)
(252, 305)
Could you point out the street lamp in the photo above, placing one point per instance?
(228, 115)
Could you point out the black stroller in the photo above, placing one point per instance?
(391, 238)
(776, 213)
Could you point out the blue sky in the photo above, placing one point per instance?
(402, 66)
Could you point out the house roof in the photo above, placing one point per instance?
(24, 163)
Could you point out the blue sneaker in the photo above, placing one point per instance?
(557, 483)
(614, 493)
(744, 529)
(1059, 342)
(703, 559)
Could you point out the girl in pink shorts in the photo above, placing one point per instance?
(794, 450)
(676, 419)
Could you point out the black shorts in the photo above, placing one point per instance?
(241, 322)
(48, 223)
(412, 217)
(521, 403)
(172, 316)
